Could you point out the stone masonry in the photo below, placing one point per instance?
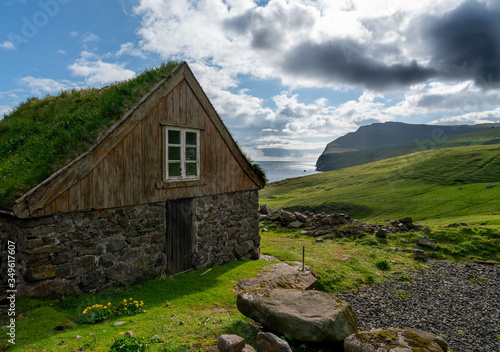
(73, 253)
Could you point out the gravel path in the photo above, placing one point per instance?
(461, 302)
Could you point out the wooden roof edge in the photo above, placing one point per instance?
(21, 207)
(226, 135)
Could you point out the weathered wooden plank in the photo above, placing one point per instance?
(74, 199)
(86, 192)
(137, 164)
(108, 165)
(118, 190)
(61, 202)
(97, 187)
(128, 170)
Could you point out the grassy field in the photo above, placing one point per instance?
(189, 311)
(434, 187)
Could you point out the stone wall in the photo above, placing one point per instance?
(227, 228)
(72, 253)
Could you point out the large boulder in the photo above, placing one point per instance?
(309, 316)
(389, 339)
(280, 275)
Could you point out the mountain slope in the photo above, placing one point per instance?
(438, 184)
(385, 140)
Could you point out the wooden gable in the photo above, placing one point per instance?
(126, 167)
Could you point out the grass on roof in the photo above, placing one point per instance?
(42, 135)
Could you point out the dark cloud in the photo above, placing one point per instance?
(348, 62)
(465, 43)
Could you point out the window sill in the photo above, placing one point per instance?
(180, 183)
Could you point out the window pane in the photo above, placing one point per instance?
(174, 169)
(191, 169)
(191, 138)
(174, 137)
(190, 153)
(174, 153)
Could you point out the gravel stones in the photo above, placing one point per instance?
(458, 301)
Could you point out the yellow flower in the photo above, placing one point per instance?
(124, 300)
(125, 308)
(130, 298)
(140, 345)
(109, 303)
(105, 307)
(122, 333)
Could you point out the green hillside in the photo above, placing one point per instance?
(434, 186)
(337, 156)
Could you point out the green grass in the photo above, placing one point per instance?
(200, 308)
(41, 135)
(423, 185)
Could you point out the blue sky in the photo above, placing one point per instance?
(286, 76)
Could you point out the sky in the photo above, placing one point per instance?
(286, 76)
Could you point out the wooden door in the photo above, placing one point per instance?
(179, 243)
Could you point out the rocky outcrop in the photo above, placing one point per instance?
(309, 316)
(280, 275)
(389, 339)
(335, 225)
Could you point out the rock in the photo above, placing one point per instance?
(408, 221)
(426, 242)
(118, 323)
(280, 275)
(296, 224)
(309, 316)
(263, 209)
(78, 337)
(381, 233)
(129, 333)
(273, 214)
(268, 342)
(490, 186)
(287, 217)
(418, 254)
(346, 257)
(243, 248)
(427, 335)
(389, 339)
(319, 240)
(248, 348)
(51, 288)
(426, 229)
(230, 343)
(300, 217)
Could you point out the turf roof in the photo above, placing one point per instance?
(41, 135)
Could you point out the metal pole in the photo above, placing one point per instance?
(303, 258)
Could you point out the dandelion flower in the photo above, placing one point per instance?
(121, 333)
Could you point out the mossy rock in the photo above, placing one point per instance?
(389, 339)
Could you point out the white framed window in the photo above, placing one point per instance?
(182, 154)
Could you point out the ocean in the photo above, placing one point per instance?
(280, 170)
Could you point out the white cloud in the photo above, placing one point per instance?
(129, 49)
(7, 45)
(4, 110)
(62, 52)
(472, 118)
(44, 85)
(97, 72)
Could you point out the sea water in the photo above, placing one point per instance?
(280, 170)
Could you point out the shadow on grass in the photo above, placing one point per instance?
(193, 291)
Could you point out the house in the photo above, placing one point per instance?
(163, 190)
